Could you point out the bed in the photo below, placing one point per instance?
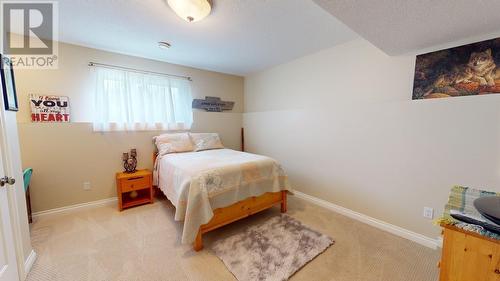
(212, 188)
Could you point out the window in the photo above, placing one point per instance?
(126, 100)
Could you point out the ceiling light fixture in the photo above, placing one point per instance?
(190, 10)
(164, 45)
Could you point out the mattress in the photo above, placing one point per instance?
(199, 182)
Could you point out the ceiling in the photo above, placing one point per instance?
(239, 37)
(404, 26)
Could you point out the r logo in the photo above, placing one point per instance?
(29, 33)
(33, 21)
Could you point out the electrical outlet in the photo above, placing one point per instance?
(428, 213)
(86, 185)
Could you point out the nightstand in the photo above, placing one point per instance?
(139, 183)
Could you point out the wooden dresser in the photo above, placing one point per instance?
(468, 256)
(134, 188)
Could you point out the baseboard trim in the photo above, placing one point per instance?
(70, 208)
(396, 230)
(28, 263)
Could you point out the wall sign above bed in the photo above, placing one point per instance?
(213, 104)
(49, 109)
(467, 70)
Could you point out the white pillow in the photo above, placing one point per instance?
(205, 141)
(172, 143)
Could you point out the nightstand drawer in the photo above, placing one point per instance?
(135, 184)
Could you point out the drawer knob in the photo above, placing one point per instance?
(497, 271)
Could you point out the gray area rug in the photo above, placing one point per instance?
(273, 250)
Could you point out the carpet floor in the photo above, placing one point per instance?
(143, 243)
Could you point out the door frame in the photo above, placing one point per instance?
(11, 198)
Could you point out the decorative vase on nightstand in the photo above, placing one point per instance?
(130, 162)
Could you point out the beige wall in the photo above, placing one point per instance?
(63, 156)
(344, 126)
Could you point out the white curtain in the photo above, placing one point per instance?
(126, 100)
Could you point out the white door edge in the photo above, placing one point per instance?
(11, 198)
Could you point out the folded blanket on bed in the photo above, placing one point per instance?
(461, 199)
(199, 182)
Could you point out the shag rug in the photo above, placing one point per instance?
(273, 250)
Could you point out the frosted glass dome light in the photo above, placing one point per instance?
(190, 10)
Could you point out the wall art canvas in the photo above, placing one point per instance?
(467, 70)
(49, 108)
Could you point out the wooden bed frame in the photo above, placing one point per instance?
(239, 210)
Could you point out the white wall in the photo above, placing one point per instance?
(344, 126)
(63, 156)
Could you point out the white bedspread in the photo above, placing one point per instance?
(198, 182)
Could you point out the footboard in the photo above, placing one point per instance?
(239, 210)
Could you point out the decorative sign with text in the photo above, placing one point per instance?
(213, 104)
(49, 108)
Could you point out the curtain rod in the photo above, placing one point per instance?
(137, 70)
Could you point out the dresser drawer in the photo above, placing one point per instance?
(135, 183)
